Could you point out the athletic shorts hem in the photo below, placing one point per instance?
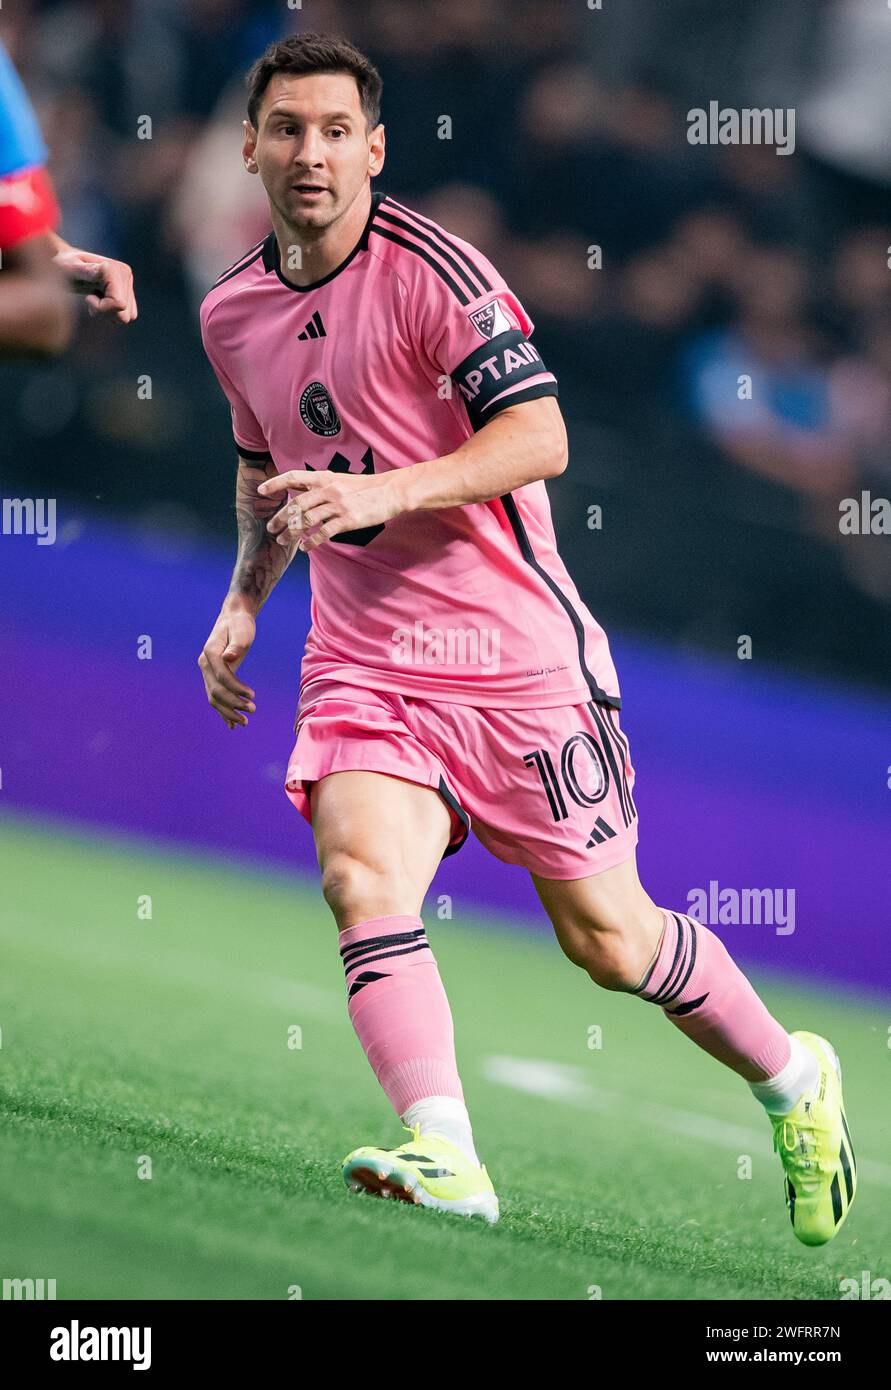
(547, 790)
(299, 795)
(566, 873)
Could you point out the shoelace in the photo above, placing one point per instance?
(415, 1139)
(416, 1134)
(799, 1142)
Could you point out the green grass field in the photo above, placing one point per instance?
(126, 1040)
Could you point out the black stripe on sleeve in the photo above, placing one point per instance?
(253, 455)
(240, 266)
(419, 251)
(475, 290)
(446, 240)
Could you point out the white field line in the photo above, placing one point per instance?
(550, 1080)
(557, 1081)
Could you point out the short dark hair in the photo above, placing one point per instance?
(304, 53)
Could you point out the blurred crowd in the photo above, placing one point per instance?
(718, 317)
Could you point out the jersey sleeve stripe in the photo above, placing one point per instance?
(405, 226)
(438, 232)
(242, 264)
(419, 251)
(252, 455)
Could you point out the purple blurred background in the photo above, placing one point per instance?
(746, 777)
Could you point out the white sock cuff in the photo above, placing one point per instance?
(779, 1094)
(445, 1115)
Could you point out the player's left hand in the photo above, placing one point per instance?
(107, 284)
(328, 503)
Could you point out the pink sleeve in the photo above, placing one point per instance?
(471, 327)
(249, 438)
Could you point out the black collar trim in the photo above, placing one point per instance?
(272, 262)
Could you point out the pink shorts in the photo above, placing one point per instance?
(548, 789)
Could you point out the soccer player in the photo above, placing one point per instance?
(35, 310)
(394, 421)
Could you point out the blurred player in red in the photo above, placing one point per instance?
(36, 314)
(380, 370)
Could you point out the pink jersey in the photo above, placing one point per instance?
(399, 355)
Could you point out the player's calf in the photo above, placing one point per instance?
(702, 991)
(606, 924)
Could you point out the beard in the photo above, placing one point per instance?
(308, 218)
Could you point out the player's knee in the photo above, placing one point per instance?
(612, 963)
(614, 952)
(345, 878)
(619, 976)
(355, 888)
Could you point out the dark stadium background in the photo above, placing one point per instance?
(567, 131)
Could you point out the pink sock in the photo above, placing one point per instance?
(709, 998)
(399, 1009)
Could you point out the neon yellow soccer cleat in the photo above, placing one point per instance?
(815, 1146)
(427, 1170)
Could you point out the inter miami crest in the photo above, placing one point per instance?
(491, 319)
(317, 410)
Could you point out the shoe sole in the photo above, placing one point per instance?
(380, 1179)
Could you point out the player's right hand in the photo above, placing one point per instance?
(228, 644)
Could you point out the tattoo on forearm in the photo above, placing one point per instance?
(261, 561)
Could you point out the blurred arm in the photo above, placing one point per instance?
(107, 284)
(36, 313)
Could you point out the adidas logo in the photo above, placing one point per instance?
(314, 329)
(601, 831)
